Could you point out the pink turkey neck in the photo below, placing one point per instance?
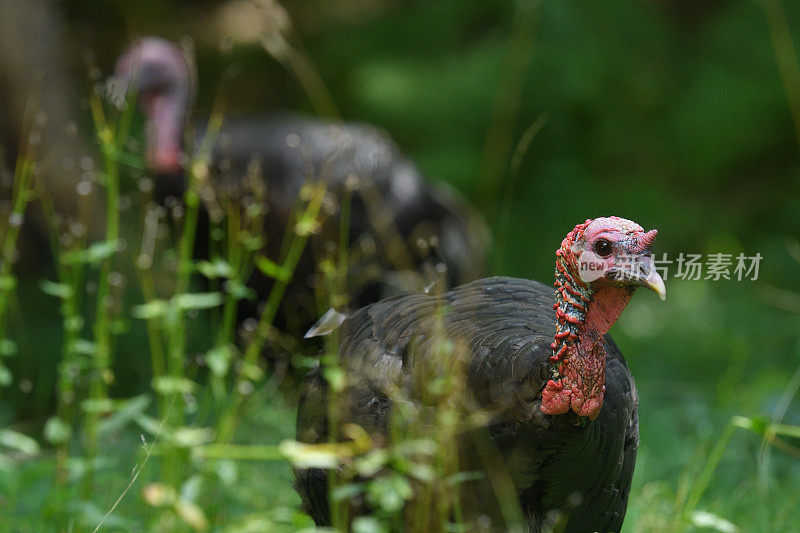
(166, 115)
(583, 316)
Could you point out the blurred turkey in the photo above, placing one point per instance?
(404, 233)
(560, 404)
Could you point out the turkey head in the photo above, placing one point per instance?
(598, 266)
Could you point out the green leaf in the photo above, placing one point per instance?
(705, 519)
(151, 309)
(239, 290)
(57, 431)
(251, 371)
(149, 424)
(304, 455)
(93, 254)
(389, 492)
(216, 269)
(200, 300)
(347, 491)
(159, 494)
(370, 464)
(125, 412)
(5, 376)
(219, 359)
(192, 514)
(190, 490)
(97, 405)
(253, 210)
(58, 290)
(19, 442)
(463, 477)
(83, 347)
(226, 471)
(188, 437)
(307, 225)
(416, 446)
(272, 269)
(166, 385)
(421, 471)
(335, 377)
(368, 524)
(253, 243)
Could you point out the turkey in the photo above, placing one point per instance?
(560, 400)
(399, 224)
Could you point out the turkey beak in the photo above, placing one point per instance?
(647, 276)
(654, 282)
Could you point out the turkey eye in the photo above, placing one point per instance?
(602, 247)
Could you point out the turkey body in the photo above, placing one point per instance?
(576, 472)
(399, 224)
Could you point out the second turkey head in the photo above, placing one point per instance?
(598, 266)
(161, 75)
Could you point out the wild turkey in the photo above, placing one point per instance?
(561, 400)
(399, 222)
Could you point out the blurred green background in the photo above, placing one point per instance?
(671, 113)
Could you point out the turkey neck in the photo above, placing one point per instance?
(583, 316)
(166, 114)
